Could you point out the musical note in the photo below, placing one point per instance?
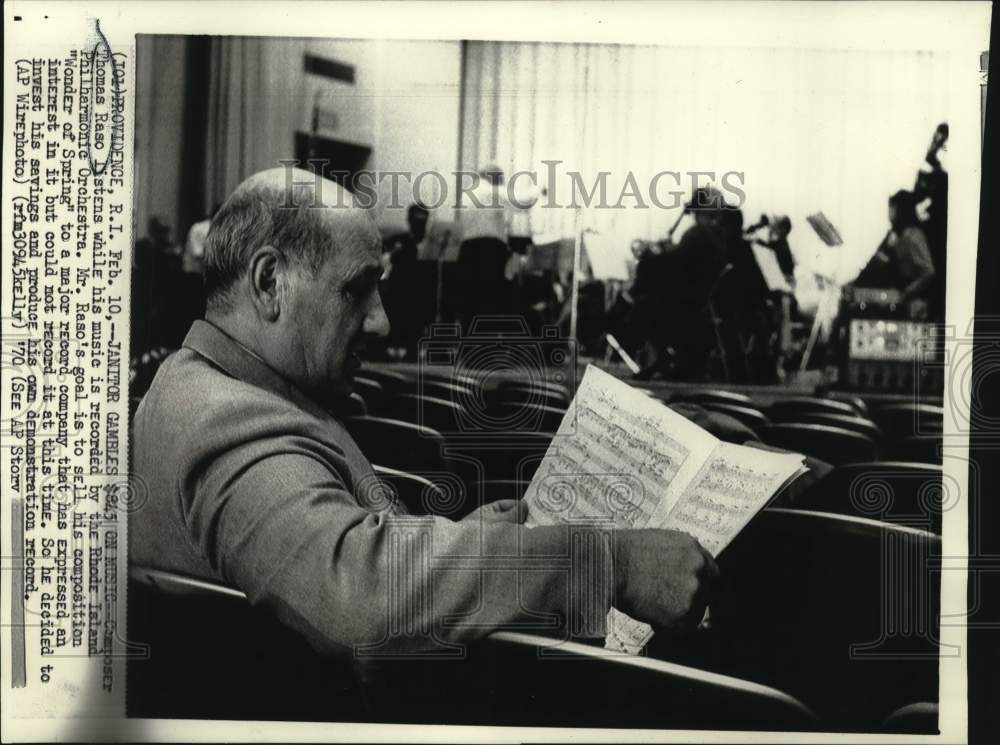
(733, 486)
(620, 455)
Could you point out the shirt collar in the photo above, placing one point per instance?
(223, 351)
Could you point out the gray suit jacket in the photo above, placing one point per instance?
(248, 482)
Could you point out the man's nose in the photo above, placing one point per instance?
(376, 322)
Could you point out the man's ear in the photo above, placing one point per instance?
(266, 266)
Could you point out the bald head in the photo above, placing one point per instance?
(302, 215)
(292, 268)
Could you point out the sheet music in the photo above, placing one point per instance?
(622, 457)
(618, 455)
(825, 229)
(733, 486)
(608, 259)
(625, 634)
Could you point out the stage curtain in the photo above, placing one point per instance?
(244, 134)
(809, 129)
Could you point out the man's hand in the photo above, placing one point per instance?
(501, 511)
(662, 577)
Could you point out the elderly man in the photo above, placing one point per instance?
(255, 484)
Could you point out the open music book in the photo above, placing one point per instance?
(623, 457)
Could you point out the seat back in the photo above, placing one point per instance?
(457, 393)
(831, 444)
(453, 376)
(372, 393)
(211, 655)
(439, 414)
(526, 416)
(548, 386)
(902, 420)
(704, 395)
(421, 496)
(403, 446)
(852, 423)
(392, 381)
(918, 718)
(515, 390)
(839, 611)
(918, 449)
(848, 398)
(510, 456)
(545, 682)
(526, 393)
(752, 418)
(353, 405)
(902, 493)
(789, 408)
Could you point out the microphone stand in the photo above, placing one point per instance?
(438, 315)
(670, 233)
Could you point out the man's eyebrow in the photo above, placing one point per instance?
(367, 271)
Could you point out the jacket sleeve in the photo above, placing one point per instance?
(276, 521)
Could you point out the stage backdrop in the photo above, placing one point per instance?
(811, 129)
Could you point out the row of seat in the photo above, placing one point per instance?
(439, 469)
(469, 472)
(797, 639)
(838, 431)
(841, 430)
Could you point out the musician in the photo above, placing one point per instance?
(903, 260)
(400, 285)
(777, 241)
(483, 254)
(672, 289)
(785, 306)
(931, 192)
(742, 303)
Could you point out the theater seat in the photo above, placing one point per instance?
(544, 393)
(920, 718)
(920, 449)
(525, 416)
(392, 381)
(451, 377)
(856, 401)
(420, 496)
(831, 444)
(752, 418)
(510, 456)
(897, 492)
(548, 386)
(715, 396)
(789, 408)
(853, 423)
(400, 445)
(208, 654)
(457, 393)
(439, 414)
(372, 393)
(547, 682)
(353, 405)
(802, 606)
(899, 421)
